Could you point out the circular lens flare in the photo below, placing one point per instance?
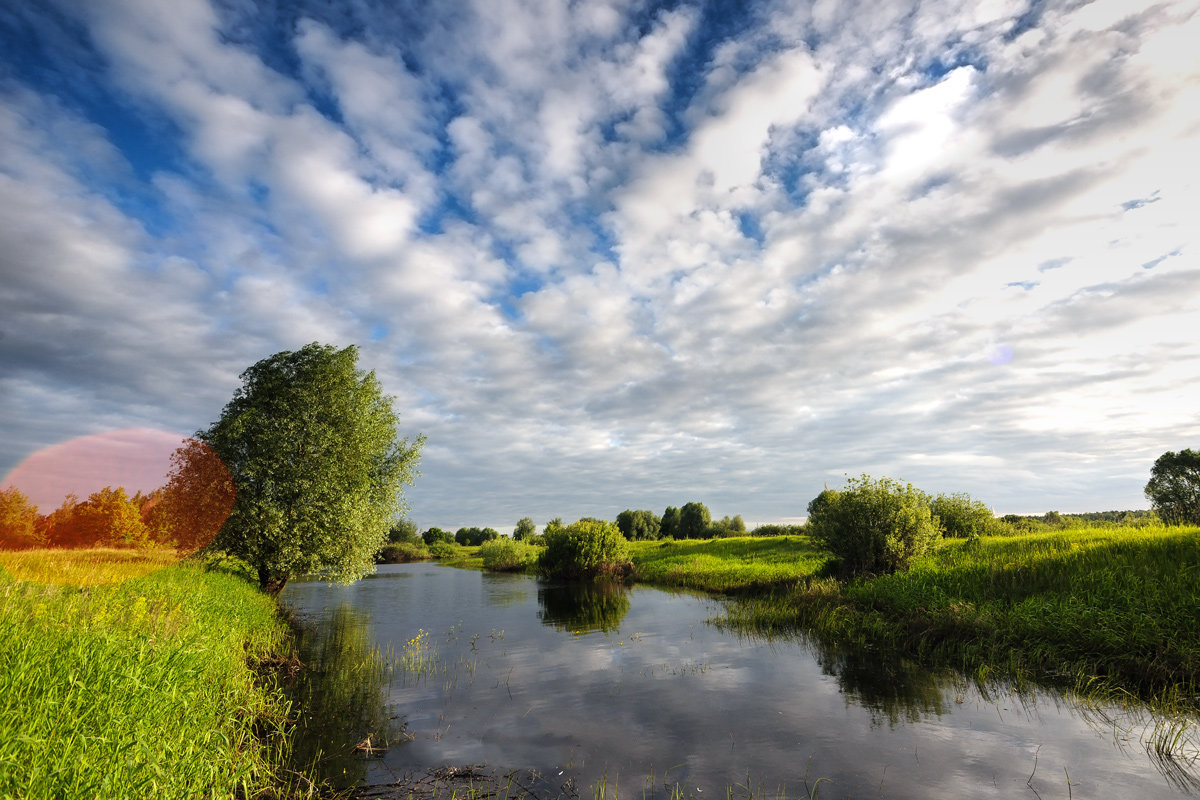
(111, 506)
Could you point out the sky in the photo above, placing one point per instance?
(610, 255)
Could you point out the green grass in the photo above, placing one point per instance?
(90, 567)
(144, 688)
(736, 565)
(1107, 608)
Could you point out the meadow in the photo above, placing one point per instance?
(125, 678)
(1108, 609)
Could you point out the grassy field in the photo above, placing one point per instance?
(730, 566)
(1115, 609)
(92, 567)
(141, 688)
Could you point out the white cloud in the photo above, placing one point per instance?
(594, 286)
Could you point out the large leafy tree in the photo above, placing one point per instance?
(1174, 487)
(694, 519)
(319, 468)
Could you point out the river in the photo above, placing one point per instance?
(633, 689)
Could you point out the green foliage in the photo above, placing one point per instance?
(962, 516)
(434, 535)
(639, 524)
(473, 537)
(1174, 487)
(873, 526)
(319, 468)
(694, 519)
(443, 550)
(402, 553)
(775, 529)
(669, 525)
(726, 527)
(508, 555)
(404, 532)
(139, 689)
(588, 548)
(526, 529)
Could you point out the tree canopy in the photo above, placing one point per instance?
(873, 526)
(641, 524)
(319, 468)
(694, 519)
(526, 529)
(1174, 487)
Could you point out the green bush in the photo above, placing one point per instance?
(402, 553)
(586, 549)
(774, 529)
(444, 550)
(873, 526)
(508, 555)
(963, 516)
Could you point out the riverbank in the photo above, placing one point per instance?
(155, 685)
(1110, 609)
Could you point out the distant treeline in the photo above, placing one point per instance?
(107, 518)
(1052, 519)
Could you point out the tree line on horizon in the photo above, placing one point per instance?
(185, 513)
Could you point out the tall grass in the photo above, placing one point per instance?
(139, 689)
(90, 567)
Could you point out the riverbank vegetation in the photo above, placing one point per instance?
(1113, 609)
(155, 686)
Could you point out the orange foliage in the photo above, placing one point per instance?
(18, 521)
(190, 510)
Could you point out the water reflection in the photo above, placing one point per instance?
(341, 694)
(893, 689)
(664, 699)
(583, 607)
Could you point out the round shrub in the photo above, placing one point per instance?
(507, 555)
(873, 526)
(586, 549)
(963, 516)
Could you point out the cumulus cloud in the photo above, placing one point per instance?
(607, 256)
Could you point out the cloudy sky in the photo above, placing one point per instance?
(617, 254)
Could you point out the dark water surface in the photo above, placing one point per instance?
(634, 688)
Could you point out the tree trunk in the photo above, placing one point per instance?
(271, 582)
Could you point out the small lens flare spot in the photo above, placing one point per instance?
(1000, 354)
(111, 506)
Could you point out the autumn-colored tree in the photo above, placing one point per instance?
(108, 518)
(190, 509)
(18, 521)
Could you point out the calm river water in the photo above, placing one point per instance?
(635, 689)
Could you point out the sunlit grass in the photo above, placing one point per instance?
(143, 688)
(1089, 606)
(86, 567)
(741, 564)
